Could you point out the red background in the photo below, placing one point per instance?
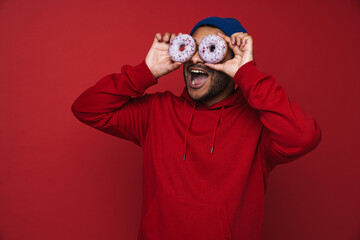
(60, 179)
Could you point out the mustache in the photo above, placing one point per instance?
(205, 68)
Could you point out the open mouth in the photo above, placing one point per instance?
(197, 77)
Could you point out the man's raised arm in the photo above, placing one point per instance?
(117, 104)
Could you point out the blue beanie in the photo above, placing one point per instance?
(227, 25)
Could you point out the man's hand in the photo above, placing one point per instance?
(158, 59)
(242, 46)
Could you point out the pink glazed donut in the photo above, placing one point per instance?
(182, 48)
(212, 49)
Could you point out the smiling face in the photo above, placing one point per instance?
(203, 83)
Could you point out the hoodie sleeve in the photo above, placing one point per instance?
(290, 132)
(116, 104)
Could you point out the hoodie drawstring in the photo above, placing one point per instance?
(214, 133)
(187, 131)
(213, 136)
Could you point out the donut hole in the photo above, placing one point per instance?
(212, 48)
(182, 48)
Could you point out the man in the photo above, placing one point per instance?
(208, 152)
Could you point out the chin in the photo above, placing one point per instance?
(197, 94)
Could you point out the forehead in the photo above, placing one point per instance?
(201, 32)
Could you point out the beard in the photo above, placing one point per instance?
(219, 81)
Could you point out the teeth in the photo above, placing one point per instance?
(198, 71)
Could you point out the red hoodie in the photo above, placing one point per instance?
(205, 169)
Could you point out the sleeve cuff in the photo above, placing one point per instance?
(246, 73)
(143, 76)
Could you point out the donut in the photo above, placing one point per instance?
(212, 49)
(182, 48)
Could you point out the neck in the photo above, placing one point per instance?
(230, 88)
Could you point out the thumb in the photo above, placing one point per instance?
(217, 67)
(176, 65)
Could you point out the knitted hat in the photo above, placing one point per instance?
(227, 25)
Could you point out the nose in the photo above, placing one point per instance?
(196, 58)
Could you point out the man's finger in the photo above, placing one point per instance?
(238, 41)
(247, 41)
(166, 37)
(217, 67)
(172, 36)
(233, 40)
(239, 34)
(226, 38)
(176, 65)
(158, 37)
(234, 47)
(236, 50)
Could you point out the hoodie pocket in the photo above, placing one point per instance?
(169, 218)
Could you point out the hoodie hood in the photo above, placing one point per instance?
(236, 98)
